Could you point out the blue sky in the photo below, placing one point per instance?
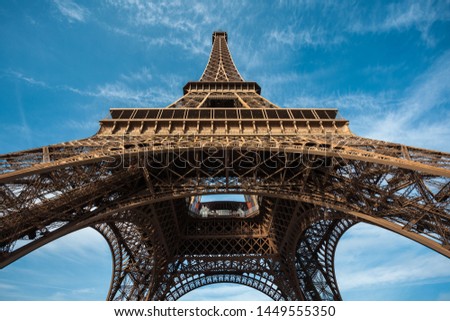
(384, 64)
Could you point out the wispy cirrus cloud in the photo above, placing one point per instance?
(397, 116)
(398, 272)
(85, 125)
(71, 294)
(192, 45)
(143, 75)
(174, 15)
(373, 258)
(130, 88)
(83, 244)
(356, 101)
(25, 78)
(170, 14)
(7, 287)
(404, 15)
(225, 292)
(313, 36)
(176, 23)
(343, 19)
(21, 127)
(61, 270)
(72, 11)
(427, 96)
(123, 93)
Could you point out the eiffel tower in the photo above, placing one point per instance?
(303, 179)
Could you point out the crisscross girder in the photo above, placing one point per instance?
(220, 66)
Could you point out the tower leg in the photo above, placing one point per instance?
(314, 259)
(133, 274)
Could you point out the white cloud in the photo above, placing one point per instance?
(7, 287)
(174, 15)
(358, 101)
(404, 15)
(68, 294)
(312, 36)
(186, 26)
(417, 116)
(382, 69)
(25, 78)
(225, 292)
(82, 245)
(192, 45)
(341, 19)
(426, 98)
(74, 267)
(83, 291)
(142, 75)
(368, 257)
(177, 15)
(58, 296)
(71, 10)
(124, 91)
(85, 125)
(120, 91)
(444, 296)
(21, 127)
(408, 14)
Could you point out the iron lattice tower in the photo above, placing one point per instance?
(305, 176)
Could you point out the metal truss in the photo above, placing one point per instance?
(314, 259)
(133, 180)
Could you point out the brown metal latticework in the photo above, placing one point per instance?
(307, 179)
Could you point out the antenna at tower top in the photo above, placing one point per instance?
(219, 33)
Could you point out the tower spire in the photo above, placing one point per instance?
(220, 66)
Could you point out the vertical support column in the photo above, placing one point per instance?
(314, 259)
(133, 262)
